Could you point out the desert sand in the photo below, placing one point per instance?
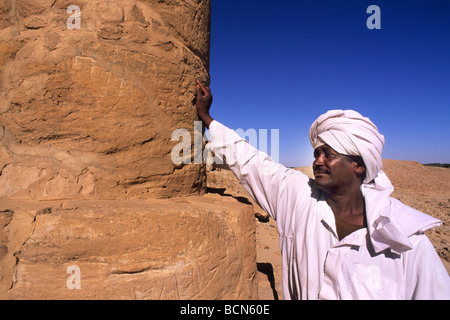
(424, 188)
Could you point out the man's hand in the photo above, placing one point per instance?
(203, 103)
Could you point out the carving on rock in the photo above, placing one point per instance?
(110, 93)
(87, 112)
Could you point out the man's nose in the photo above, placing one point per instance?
(319, 160)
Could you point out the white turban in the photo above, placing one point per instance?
(349, 133)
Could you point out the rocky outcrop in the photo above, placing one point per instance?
(88, 113)
(189, 248)
(91, 204)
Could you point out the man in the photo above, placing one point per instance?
(341, 235)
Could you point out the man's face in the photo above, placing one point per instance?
(333, 170)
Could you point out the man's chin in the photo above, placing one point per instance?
(320, 181)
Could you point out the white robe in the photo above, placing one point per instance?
(391, 259)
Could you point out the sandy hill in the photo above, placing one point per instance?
(424, 188)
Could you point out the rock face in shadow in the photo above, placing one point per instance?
(91, 204)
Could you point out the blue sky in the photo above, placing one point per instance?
(281, 64)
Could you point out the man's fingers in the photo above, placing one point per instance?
(199, 90)
(202, 89)
(201, 86)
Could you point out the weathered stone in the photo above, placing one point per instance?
(106, 96)
(190, 248)
(86, 122)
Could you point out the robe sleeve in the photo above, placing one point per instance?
(256, 171)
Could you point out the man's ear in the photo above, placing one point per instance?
(360, 170)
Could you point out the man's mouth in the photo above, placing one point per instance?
(320, 172)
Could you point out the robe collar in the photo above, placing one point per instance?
(389, 222)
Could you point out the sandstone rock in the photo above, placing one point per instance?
(105, 97)
(89, 99)
(190, 248)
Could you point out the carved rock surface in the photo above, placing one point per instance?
(88, 113)
(87, 181)
(188, 248)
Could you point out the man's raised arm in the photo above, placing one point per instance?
(262, 177)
